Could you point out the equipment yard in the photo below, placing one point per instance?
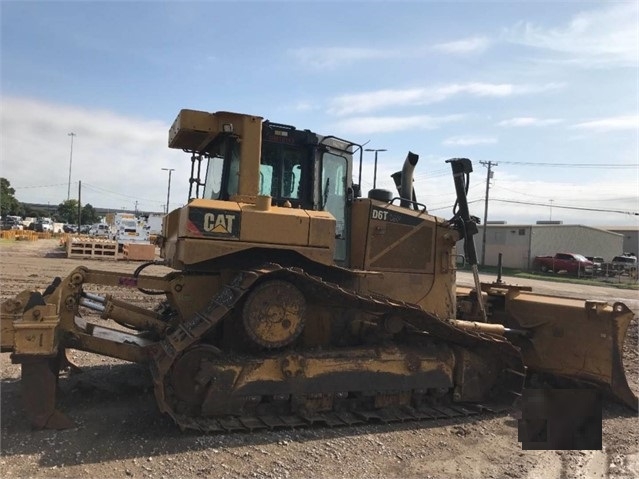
(121, 433)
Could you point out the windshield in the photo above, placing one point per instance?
(281, 172)
(581, 258)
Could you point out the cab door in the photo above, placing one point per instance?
(333, 191)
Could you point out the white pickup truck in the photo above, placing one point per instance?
(127, 228)
(625, 263)
(100, 230)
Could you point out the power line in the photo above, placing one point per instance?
(545, 205)
(501, 187)
(624, 198)
(632, 213)
(581, 200)
(573, 165)
(100, 189)
(450, 207)
(39, 186)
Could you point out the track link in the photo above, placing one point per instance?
(330, 419)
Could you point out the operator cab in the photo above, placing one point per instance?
(297, 169)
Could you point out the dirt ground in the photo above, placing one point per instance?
(121, 433)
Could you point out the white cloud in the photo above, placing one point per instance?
(530, 121)
(117, 158)
(305, 106)
(385, 124)
(374, 100)
(322, 58)
(469, 140)
(609, 124)
(467, 45)
(601, 192)
(334, 57)
(602, 37)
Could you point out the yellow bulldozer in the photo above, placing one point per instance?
(294, 300)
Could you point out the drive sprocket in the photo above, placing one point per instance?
(273, 314)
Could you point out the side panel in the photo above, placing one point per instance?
(322, 229)
(205, 230)
(284, 226)
(397, 239)
(400, 242)
(360, 212)
(190, 251)
(221, 222)
(405, 255)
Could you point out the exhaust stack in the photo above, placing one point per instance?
(404, 181)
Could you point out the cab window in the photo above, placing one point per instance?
(223, 171)
(213, 182)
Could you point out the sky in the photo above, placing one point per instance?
(546, 92)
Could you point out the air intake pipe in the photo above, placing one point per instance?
(404, 181)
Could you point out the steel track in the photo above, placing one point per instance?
(190, 333)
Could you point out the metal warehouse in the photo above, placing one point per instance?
(630, 237)
(519, 244)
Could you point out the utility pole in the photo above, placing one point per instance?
(489, 176)
(79, 205)
(168, 191)
(70, 162)
(375, 170)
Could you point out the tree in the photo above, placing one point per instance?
(68, 211)
(35, 212)
(89, 215)
(9, 205)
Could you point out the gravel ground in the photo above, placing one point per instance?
(120, 432)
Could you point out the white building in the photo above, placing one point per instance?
(519, 244)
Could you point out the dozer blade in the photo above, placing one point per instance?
(572, 338)
(39, 382)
